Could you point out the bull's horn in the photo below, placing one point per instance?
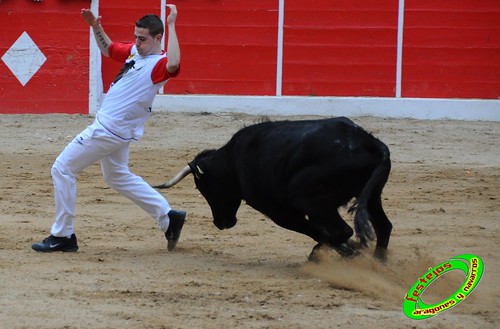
(183, 173)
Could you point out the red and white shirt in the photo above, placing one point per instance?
(127, 105)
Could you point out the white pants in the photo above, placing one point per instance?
(93, 144)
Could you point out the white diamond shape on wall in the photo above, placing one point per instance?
(24, 58)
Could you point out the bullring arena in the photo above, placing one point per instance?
(442, 198)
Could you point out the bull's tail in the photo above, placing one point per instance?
(373, 188)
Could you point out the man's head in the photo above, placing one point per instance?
(148, 34)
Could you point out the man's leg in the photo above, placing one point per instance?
(117, 175)
(84, 150)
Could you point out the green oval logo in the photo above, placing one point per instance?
(470, 264)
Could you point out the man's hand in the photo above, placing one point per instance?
(90, 18)
(103, 41)
(173, 14)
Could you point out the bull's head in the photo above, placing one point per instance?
(215, 179)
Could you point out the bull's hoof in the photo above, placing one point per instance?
(380, 254)
(314, 255)
(354, 244)
(346, 251)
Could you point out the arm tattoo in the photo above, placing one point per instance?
(101, 39)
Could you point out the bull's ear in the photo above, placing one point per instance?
(196, 170)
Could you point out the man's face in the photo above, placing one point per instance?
(146, 44)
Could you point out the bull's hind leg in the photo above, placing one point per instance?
(382, 226)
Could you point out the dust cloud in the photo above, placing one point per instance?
(388, 281)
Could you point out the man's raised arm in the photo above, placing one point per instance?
(173, 50)
(103, 41)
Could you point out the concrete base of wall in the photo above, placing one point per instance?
(416, 108)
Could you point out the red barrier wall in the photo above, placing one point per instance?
(61, 84)
(340, 48)
(230, 46)
(451, 49)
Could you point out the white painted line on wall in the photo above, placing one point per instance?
(95, 72)
(279, 61)
(163, 16)
(399, 61)
(163, 11)
(390, 107)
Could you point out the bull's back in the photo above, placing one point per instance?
(267, 155)
(274, 135)
(305, 140)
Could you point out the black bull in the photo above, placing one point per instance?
(298, 173)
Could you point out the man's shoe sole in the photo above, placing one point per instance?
(72, 249)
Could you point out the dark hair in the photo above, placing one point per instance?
(151, 22)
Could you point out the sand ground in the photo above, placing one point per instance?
(442, 198)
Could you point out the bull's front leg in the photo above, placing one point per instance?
(298, 222)
(339, 235)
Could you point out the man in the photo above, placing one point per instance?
(119, 121)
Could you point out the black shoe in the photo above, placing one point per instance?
(53, 243)
(177, 219)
